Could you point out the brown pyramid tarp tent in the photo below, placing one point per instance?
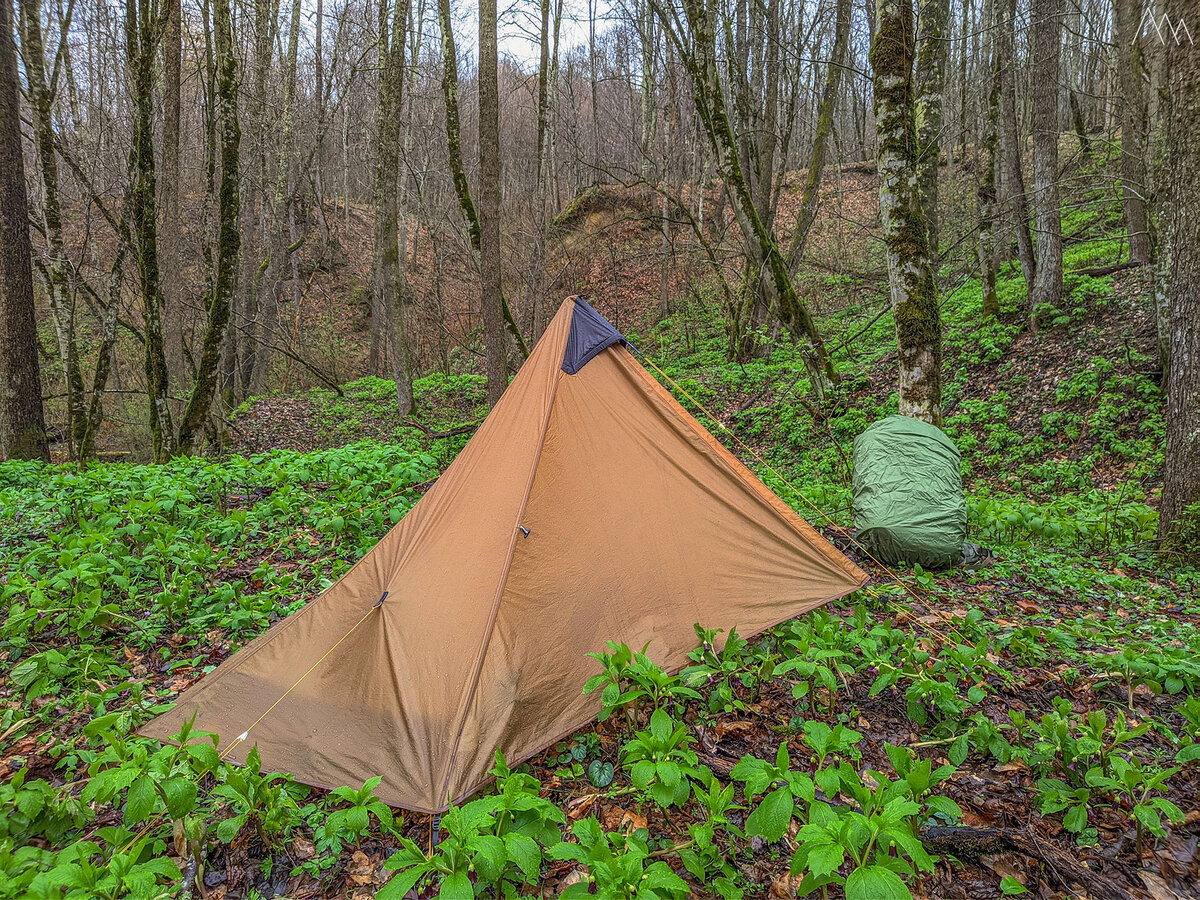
(589, 506)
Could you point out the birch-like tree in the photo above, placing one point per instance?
(1135, 182)
(1046, 30)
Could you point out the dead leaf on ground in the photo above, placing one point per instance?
(361, 870)
(578, 808)
(723, 728)
(1157, 888)
(632, 821)
(573, 877)
(784, 887)
(303, 848)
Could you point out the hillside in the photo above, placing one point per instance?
(1043, 696)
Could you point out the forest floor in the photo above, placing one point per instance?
(1053, 694)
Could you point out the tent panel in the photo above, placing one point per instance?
(389, 700)
(639, 528)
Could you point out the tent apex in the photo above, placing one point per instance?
(590, 334)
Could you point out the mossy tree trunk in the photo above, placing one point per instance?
(910, 266)
(491, 298)
(22, 419)
(142, 31)
(816, 160)
(57, 268)
(1046, 28)
(930, 77)
(695, 41)
(1179, 514)
(224, 286)
(169, 188)
(1135, 181)
(387, 280)
(458, 172)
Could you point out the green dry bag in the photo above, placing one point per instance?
(908, 496)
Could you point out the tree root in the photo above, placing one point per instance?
(972, 843)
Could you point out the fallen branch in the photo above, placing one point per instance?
(972, 843)
(461, 429)
(1100, 271)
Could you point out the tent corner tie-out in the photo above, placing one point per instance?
(487, 647)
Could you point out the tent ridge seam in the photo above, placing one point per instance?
(512, 546)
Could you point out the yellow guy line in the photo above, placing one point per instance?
(157, 820)
(246, 734)
(700, 406)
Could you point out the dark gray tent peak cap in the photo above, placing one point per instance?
(590, 334)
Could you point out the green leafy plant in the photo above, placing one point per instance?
(349, 823)
(257, 801)
(619, 867)
(1139, 788)
(660, 760)
(498, 839)
(780, 788)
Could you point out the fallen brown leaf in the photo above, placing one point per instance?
(784, 887)
(361, 870)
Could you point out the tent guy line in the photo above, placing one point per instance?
(866, 589)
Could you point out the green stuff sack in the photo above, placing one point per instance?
(908, 496)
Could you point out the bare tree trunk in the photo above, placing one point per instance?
(141, 38)
(816, 159)
(106, 355)
(594, 81)
(458, 172)
(491, 300)
(964, 29)
(1127, 19)
(169, 188)
(1179, 514)
(1047, 48)
(910, 268)
(318, 180)
(22, 420)
(1010, 141)
(1085, 146)
(224, 287)
(388, 259)
(57, 268)
(551, 16)
(281, 249)
(256, 268)
(987, 186)
(698, 51)
(930, 83)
